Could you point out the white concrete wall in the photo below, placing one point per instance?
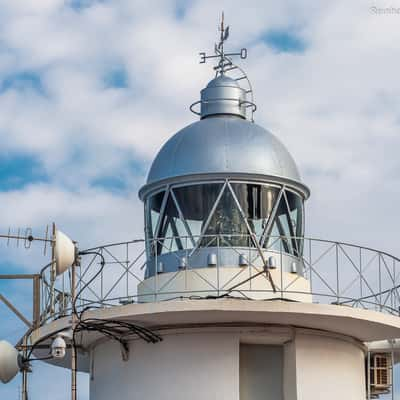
(204, 281)
(182, 367)
(205, 365)
(328, 368)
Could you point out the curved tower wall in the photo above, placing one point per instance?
(233, 364)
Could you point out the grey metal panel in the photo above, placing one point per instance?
(223, 145)
(261, 372)
(223, 80)
(225, 257)
(223, 95)
(155, 187)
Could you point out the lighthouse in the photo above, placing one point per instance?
(225, 297)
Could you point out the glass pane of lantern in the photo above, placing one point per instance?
(153, 213)
(196, 203)
(281, 228)
(273, 241)
(227, 223)
(296, 217)
(257, 203)
(172, 233)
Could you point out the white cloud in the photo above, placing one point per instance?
(335, 106)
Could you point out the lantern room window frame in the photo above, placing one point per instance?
(163, 235)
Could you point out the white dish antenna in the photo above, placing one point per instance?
(64, 252)
(10, 363)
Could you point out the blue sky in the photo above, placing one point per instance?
(89, 91)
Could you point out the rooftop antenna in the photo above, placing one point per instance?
(225, 63)
(224, 36)
(26, 237)
(63, 256)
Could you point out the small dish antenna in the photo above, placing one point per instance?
(64, 251)
(10, 362)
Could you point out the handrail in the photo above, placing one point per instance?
(339, 273)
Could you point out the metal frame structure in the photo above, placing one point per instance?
(226, 185)
(339, 273)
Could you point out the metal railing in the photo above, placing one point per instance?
(337, 273)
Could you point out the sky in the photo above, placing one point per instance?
(90, 90)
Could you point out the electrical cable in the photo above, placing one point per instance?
(113, 329)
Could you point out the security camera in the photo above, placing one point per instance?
(58, 347)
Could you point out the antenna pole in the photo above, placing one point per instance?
(222, 29)
(73, 324)
(24, 388)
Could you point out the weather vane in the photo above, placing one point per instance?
(225, 63)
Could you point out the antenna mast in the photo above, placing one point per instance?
(225, 64)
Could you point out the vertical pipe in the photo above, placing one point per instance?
(63, 309)
(24, 392)
(369, 375)
(310, 263)
(73, 322)
(393, 294)
(24, 388)
(127, 271)
(249, 260)
(281, 265)
(380, 282)
(361, 291)
(156, 271)
(102, 281)
(337, 273)
(392, 371)
(36, 301)
(53, 272)
(187, 262)
(218, 257)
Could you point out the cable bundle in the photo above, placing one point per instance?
(120, 331)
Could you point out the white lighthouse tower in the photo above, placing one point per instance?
(227, 299)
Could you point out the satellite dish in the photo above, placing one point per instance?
(10, 363)
(64, 252)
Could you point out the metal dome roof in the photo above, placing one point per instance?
(223, 145)
(223, 80)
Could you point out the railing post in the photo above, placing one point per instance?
(337, 273)
(310, 264)
(361, 291)
(156, 272)
(393, 294)
(218, 257)
(249, 259)
(102, 280)
(127, 270)
(187, 263)
(281, 265)
(380, 281)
